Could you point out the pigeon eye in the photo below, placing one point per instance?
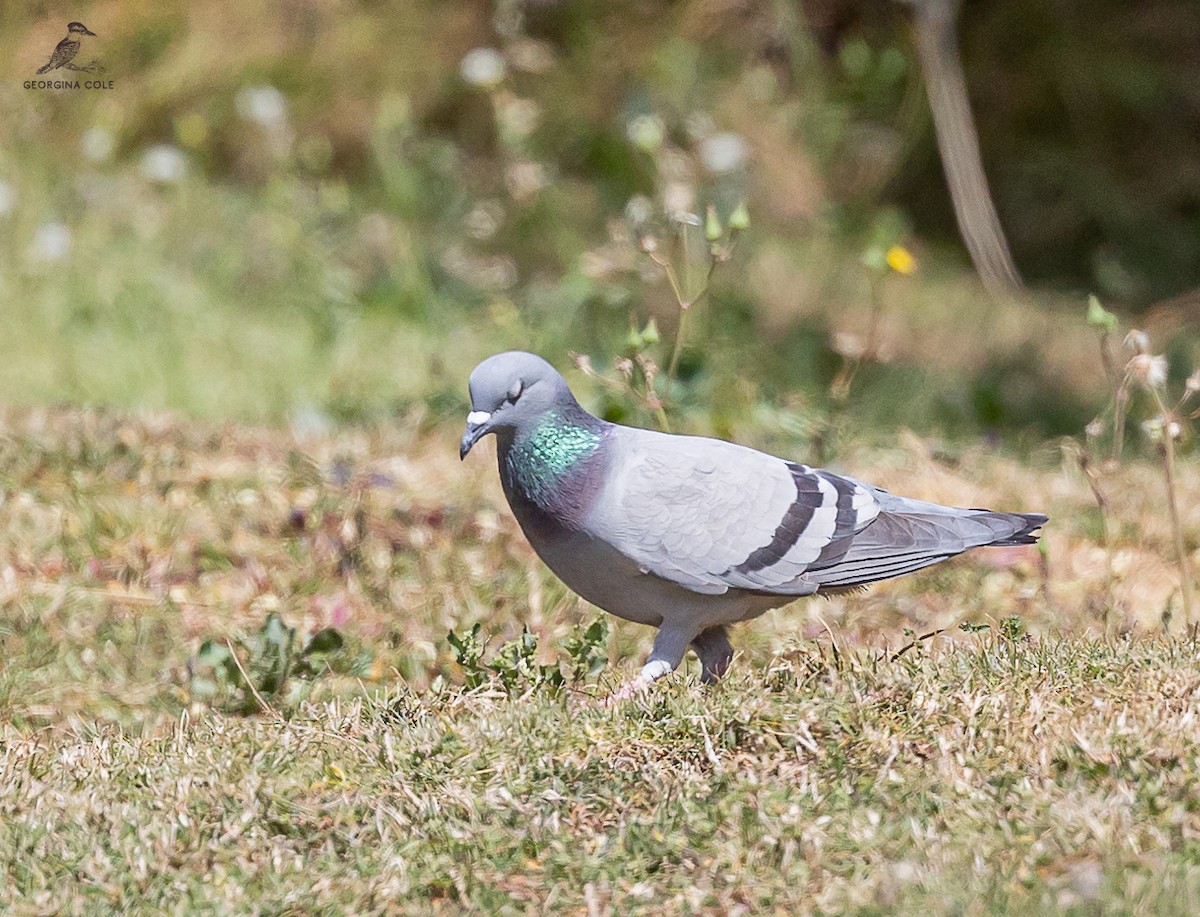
(514, 393)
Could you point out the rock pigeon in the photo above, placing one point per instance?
(690, 534)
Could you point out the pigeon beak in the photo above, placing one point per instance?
(89, 32)
(477, 426)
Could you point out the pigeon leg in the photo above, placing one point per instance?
(715, 652)
(669, 647)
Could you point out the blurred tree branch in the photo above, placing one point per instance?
(958, 142)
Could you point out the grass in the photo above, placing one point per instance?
(991, 776)
(1027, 766)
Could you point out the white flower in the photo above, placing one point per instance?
(699, 125)
(518, 117)
(264, 105)
(678, 198)
(848, 345)
(51, 242)
(531, 55)
(724, 152)
(525, 179)
(1192, 384)
(483, 67)
(98, 143)
(1137, 341)
(309, 423)
(1149, 370)
(163, 163)
(1153, 428)
(639, 209)
(483, 221)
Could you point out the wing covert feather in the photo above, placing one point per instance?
(711, 515)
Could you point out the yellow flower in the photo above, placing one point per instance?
(900, 260)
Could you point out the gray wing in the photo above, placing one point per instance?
(911, 534)
(711, 516)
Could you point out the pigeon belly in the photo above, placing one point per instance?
(600, 574)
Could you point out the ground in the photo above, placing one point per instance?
(866, 753)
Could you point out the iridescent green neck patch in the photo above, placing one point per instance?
(541, 461)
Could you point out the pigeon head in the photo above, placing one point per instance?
(78, 28)
(509, 391)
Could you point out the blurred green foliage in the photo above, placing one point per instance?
(326, 211)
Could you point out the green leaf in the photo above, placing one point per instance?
(324, 641)
(275, 633)
(588, 650)
(650, 332)
(203, 687)
(468, 653)
(712, 225)
(212, 653)
(1011, 627)
(740, 218)
(1099, 317)
(276, 644)
(856, 57)
(875, 257)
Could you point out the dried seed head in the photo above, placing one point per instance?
(647, 243)
(649, 367)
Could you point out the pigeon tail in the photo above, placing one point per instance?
(1027, 534)
(909, 535)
